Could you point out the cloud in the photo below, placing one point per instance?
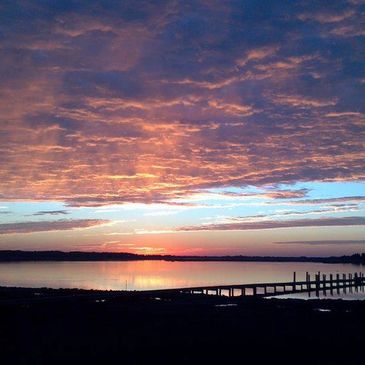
(342, 199)
(327, 17)
(51, 212)
(153, 101)
(302, 102)
(147, 249)
(336, 208)
(274, 224)
(323, 242)
(45, 226)
(257, 54)
(331, 209)
(287, 194)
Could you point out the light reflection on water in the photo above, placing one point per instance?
(145, 275)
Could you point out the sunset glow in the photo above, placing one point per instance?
(188, 128)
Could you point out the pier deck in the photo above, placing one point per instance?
(324, 283)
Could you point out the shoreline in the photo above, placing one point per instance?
(12, 295)
(59, 256)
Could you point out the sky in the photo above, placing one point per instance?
(183, 127)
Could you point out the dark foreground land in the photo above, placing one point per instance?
(79, 327)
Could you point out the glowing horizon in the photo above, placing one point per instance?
(194, 127)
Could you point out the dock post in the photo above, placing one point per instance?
(317, 284)
(351, 282)
(294, 280)
(309, 285)
(344, 283)
(324, 284)
(243, 292)
(359, 280)
(331, 283)
(254, 291)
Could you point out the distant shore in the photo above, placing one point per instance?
(16, 255)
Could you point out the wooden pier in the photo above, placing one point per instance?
(324, 283)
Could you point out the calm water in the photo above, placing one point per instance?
(144, 275)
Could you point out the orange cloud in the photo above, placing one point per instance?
(108, 107)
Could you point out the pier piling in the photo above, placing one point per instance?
(321, 283)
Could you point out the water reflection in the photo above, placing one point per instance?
(145, 275)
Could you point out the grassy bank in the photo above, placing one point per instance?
(139, 329)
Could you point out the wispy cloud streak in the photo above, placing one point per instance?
(43, 226)
(274, 224)
(52, 212)
(324, 242)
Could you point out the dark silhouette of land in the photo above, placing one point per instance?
(78, 327)
(16, 255)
